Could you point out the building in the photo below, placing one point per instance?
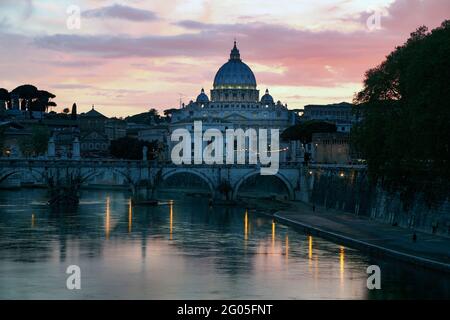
(115, 128)
(235, 103)
(133, 129)
(331, 148)
(94, 145)
(92, 121)
(12, 135)
(340, 114)
(64, 130)
(94, 142)
(159, 133)
(155, 133)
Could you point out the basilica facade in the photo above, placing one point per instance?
(234, 102)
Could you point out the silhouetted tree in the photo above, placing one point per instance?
(304, 131)
(37, 144)
(42, 102)
(4, 95)
(4, 101)
(404, 134)
(2, 139)
(131, 148)
(168, 113)
(73, 115)
(27, 93)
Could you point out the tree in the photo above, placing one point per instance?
(66, 110)
(303, 132)
(73, 114)
(131, 148)
(404, 134)
(33, 99)
(2, 139)
(4, 101)
(44, 99)
(27, 93)
(42, 102)
(4, 96)
(168, 113)
(37, 144)
(152, 116)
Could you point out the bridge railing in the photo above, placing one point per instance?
(7, 162)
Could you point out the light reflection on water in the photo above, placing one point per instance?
(181, 249)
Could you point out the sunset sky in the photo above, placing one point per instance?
(129, 56)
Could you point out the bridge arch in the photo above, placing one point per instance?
(97, 171)
(280, 176)
(202, 176)
(37, 175)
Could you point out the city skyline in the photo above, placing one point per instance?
(307, 54)
(224, 155)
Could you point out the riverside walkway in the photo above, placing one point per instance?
(371, 236)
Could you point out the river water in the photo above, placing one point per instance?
(182, 249)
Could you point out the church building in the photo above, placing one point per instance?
(234, 102)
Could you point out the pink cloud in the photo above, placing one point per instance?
(89, 68)
(406, 15)
(121, 12)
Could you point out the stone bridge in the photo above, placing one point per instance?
(296, 177)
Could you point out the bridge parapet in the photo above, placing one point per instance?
(325, 166)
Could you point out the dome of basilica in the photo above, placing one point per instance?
(235, 73)
(267, 99)
(202, 97)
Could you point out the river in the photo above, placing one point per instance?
(182, 249)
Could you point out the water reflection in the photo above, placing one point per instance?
(342, 265)
(130, 215)
(246, 225)
(273, 235)
(107, 219)
(286, 253)
(171, 219)
(206, 258)
(310, 248)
